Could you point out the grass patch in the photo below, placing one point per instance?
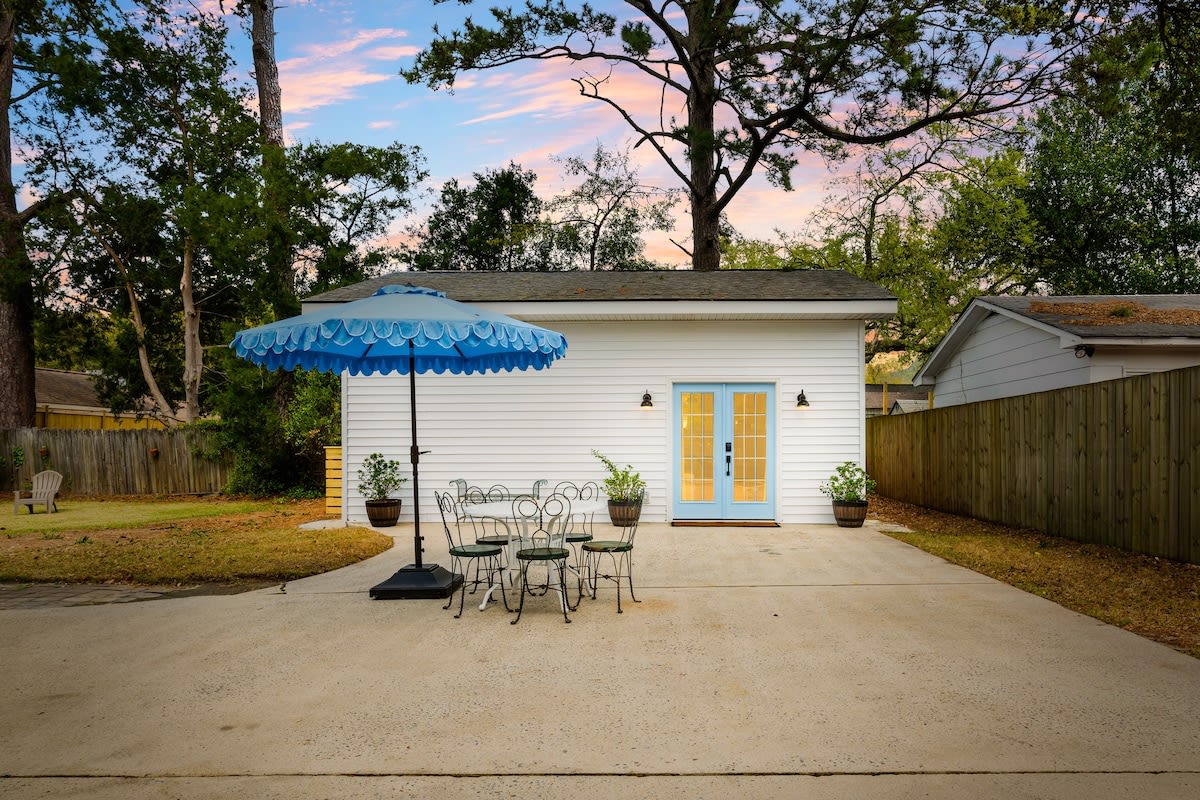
(1153, 597)
(178, 542)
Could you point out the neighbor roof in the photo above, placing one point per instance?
(1079, 319)
(770, 285)
(62, 388)
(1111, 316)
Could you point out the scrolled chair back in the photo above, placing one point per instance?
(556, 518)
(568, 489)
(448, 507)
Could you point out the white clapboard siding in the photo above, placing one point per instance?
(514, 428)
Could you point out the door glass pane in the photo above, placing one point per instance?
(696, 446)
(749, 447)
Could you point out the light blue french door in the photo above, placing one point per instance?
(724, 451)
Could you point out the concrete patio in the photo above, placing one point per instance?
(803, 661)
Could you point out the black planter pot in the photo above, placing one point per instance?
(383, 513)
(624, 513)
(850, 513)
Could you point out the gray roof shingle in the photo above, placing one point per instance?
(476, 287)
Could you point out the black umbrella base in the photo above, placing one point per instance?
(426, 582)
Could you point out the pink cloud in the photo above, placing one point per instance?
(337, 49)
(330, 72)
(307, 89)
(381, 124)
(392, 52)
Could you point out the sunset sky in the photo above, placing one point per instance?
(338, 62)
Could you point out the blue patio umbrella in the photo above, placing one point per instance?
(404, 329)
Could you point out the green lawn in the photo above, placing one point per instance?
(177, 542)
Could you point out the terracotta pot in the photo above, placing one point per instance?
(383, 513)
(850, 513)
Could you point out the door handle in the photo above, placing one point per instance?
(728, 463)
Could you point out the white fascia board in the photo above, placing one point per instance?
(1141, 341)
(694, 309)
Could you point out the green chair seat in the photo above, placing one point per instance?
(607, 547)
(579, 537)
(500, 540)
(543, 554)
(475, 550)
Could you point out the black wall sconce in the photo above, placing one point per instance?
(1082, 350)
(646, 401)
(801, 400)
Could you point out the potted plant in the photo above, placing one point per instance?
(848, 487)
(625, 489)
(378, 477)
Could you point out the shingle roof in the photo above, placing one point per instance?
(60, 387)
(476, 287)
(1092, 317)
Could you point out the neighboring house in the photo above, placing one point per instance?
(907, 406)
(1006, 346)
(723, 356)
(881, 397)
(67, 399)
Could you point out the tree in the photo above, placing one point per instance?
(487, 226)
(609, 210)
(747, 84)
(45, 49)
(162, 186)
(1118, 205)
(344, 199)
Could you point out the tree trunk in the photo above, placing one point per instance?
(281, 275)
(193, 353)
(706, 216)
(17, 398)
(266, 71)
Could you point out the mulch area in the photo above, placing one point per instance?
(1154, 597)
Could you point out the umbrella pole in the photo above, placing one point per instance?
(416, 581)
(414, 455)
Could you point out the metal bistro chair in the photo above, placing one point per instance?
(485, 557)
(486, 530)
(620, 553)
(539, 530)
(580, 524)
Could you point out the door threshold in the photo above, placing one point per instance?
(724, 523)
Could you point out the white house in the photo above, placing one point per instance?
(1006, 346)
(723, 356)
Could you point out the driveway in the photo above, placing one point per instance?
(804, 661)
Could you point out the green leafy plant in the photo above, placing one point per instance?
(848, 484)
(378, 477)
(621, 485)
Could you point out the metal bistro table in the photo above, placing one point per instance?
(502, 511)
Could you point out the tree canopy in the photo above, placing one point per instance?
(744, 85)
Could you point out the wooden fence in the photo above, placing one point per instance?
(1114, 463)
(140, 462)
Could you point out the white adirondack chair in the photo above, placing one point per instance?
(45, 486)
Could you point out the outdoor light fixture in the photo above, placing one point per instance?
(646, 401)
(801, 400)
(1082, 350)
